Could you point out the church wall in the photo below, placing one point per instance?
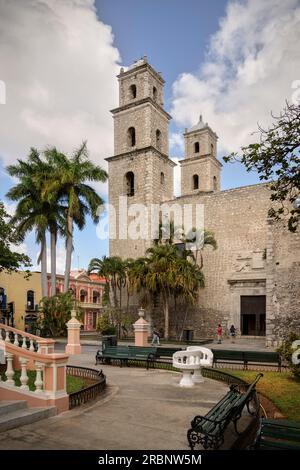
(238, 219)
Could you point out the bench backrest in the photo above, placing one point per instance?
(247, 356)
(116, 351)
(140, 351)
(167, 352)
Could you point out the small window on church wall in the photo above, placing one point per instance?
(132, 90)
(162, 178)
(129, 184)
(196, 147)
(131, 136)
(215, 183)
(212, 148)
(158, 139)
(195, 182)
(154, 93)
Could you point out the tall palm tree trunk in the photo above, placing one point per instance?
(43, 258)
(53, 239)
(166, 314)
(69, 249)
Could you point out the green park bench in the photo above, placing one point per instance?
(277, 434)
(209, 430)
(247, 357)
(123, 354)
(166, 352)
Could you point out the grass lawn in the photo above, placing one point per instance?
(74, 384)
(283, 389)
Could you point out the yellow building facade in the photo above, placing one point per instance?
(19, 296)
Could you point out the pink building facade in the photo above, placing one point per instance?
(88, 291)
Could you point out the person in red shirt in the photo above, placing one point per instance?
(219, 333)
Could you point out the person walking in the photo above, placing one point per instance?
(155, 338)
(232, 333)
(219, 333)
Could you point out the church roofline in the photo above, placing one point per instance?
(141, 150)
(200, 157)
(199, 131)
(139, 68)
(140, 102)
(218, 193)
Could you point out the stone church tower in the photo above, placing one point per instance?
(200, 169)
(140, 170)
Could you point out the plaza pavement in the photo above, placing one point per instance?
(140, 410)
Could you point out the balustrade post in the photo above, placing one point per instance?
(9, 369)
(38, 381)
(7, 339)
(16, 341)
(31, 345)
(24, 345)
(24, 376)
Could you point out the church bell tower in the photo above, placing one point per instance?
(141, 168)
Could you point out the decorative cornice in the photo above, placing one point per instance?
(132, 153)
(139, 69)
(134, 104)
(208, 156)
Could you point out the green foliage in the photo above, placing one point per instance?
(287, 350)
(104, 325)
(276, 158)
(56, 312)
(10, 260)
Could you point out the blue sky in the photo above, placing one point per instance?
(217, 57)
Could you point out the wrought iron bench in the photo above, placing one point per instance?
(123, 354)
(277, 434)
(209, 430)
(247, 357)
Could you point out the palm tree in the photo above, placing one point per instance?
(199, 238)
(34, 212)
(113, 269)
(161, 275)
(68, 184)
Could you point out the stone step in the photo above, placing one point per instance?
(9, 406)
(24, 416)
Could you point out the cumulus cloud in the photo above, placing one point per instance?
(59, 64)
(250, 69)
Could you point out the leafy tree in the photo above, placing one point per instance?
(288, 351)
(276, 158)
(55, 313)
(104, 325)
(10, 260)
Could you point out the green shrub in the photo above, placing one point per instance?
(287, 350)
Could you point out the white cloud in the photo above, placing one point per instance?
(176, 141)
(251, 64)
(177, 176)
(59, 65)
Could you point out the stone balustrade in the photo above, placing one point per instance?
(25, 352)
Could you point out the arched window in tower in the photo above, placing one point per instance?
(131, 136)
(196, 147)
(158, 139)
(215, 183)
(212, 149)
(195, 182)
(129, 184)
(132, 91)
(30, 300)
(155, 93)
(162, 178)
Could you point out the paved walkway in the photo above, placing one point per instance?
(141, 410)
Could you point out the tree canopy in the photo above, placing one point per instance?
(276, 158)
(10, 260)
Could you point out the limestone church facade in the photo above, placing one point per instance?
(252, 280)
